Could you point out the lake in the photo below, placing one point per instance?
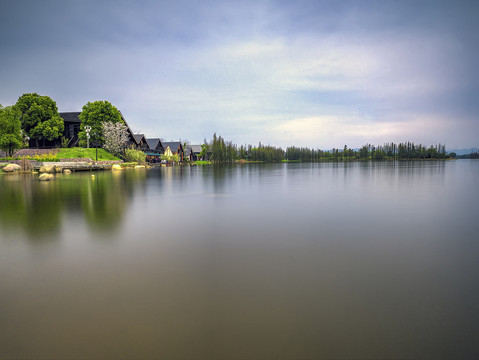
(261, 261)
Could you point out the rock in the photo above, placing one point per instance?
(11, 168)
(139, 166)
(116, 167)
(67, 171)
(58, 169)
(49, 169)
(46, 177)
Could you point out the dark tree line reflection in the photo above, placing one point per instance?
(38, 207)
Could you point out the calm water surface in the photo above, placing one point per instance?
(285, 261)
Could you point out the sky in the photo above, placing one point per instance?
(320, 74)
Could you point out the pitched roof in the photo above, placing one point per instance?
(138, 137)
(130, 133)
(174, 145)
(71, 117)
(153, 144)
(195, 148)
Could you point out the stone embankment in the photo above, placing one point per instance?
(62, 165)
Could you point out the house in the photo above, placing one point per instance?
(72, 127)
(141, 143)
(173, 148)
(196, 149)
(72, 123)
(154, 150)
(192, 152)
(188, 153)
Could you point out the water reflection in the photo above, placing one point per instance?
(281, 261)
(37, 208)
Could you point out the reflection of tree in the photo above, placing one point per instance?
(37, 207)
(32, 206)
(103, 200)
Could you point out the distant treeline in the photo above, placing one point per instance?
(473, 155)
(220, 151)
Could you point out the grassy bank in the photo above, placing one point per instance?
(70, 153)
(75, 153)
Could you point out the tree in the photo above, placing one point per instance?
(205, 153)
(39, 117)
(94, 114)
(116, 137)
(10, 129)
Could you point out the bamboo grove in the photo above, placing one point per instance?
(220, 151)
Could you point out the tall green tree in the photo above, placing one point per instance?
(95, 114)
(39, 117)
(10, 129)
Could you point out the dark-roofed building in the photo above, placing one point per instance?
(154, 150)
(173, 148)
(72, 123)
(72, 127)
(70, 132)
(155, 145)
(196, 150)
(140, 140)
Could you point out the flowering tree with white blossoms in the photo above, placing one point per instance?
(116, 137)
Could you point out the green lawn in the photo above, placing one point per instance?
(73, 153)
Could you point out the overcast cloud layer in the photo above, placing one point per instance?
(310, 73)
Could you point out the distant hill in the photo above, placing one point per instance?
(463, 151)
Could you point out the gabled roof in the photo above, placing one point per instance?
(130, 133)
(70, 117)
(195, 148)
(154, 144)
(139, 137)
(174, 145)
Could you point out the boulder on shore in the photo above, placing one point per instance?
(49, 169)
(46, 177)
(11, 168)
(58, 169)
(67, 171)
(116, 167)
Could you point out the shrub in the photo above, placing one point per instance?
(43, 157)
(133, 155)
(26, 164)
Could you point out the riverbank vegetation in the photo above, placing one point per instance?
(69, 153)
(220, 151)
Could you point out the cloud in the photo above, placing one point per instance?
(328, 131)
(252, 71)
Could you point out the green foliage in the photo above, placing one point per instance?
(133, 155)
(42, 157)
(94, 114)
(39, 117)
(77, 152)
(205, 153)
(64, 142)
(10, 129)
(171, 159)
